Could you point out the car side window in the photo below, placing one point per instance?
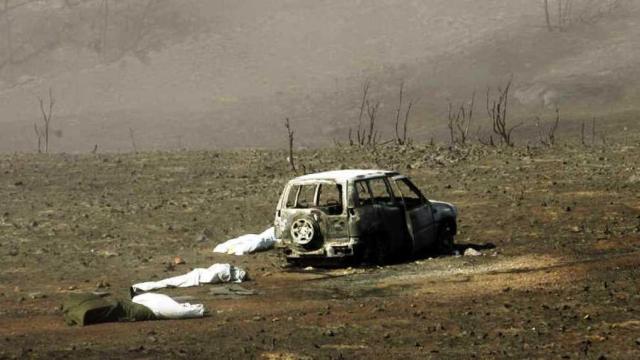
(410, 194)
(291, 197)
(362, 191)
(380, 191)
(305, 197)
(330, 198)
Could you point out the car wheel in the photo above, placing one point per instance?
(304, 231)
(446, 239)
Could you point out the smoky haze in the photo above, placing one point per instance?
(225, 74)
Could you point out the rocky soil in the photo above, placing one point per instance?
(557, 231)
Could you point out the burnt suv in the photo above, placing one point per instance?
(370, 215)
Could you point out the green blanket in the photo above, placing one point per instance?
(86, 309)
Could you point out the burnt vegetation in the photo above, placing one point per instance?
(563, 15)
(497, 128)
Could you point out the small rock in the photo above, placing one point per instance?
(37, 295)
(178, 261)
(202, 238)
(575, 229)
(107, 253)
(472, 252)
(308, 268)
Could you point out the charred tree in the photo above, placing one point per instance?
(290, 134)
(497, 109)
(44, 130)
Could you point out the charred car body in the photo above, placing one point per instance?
(371, 215)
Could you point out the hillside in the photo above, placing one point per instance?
(217, 74)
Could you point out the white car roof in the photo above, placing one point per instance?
(343, 175)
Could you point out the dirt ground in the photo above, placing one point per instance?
(558, 230)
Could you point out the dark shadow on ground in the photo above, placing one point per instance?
(458, 249)
(322, 263)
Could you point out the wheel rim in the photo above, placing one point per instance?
(302, 231)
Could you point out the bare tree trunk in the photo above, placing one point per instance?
(406, 122)
(365, 93)
(554, 127)
(46, 120)
(39, 136)
(451, 123)
(9, 38)
(497, 110)
(398, 140)
(546, 15)
(372, 110)
(560, 17)
(105, 27)
(133, 141)
(290, 133)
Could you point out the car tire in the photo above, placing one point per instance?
(305, 232)
(446, 239)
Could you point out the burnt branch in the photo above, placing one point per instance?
(133, 140)
(361, 133)
(290, 134)
(460, 122)
(47, 113)
(398, 110)
(497, 109)
(405, 139)
(372, 112)
(547, 136)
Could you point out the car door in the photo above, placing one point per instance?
(363, 219)
(419, 216)
(391, 211)
(296, 199)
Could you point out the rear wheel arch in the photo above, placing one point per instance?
(447, 230)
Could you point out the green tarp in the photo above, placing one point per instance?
(86, 308)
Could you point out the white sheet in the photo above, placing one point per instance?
(165, 307)
(248, 243)
(216, 273)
